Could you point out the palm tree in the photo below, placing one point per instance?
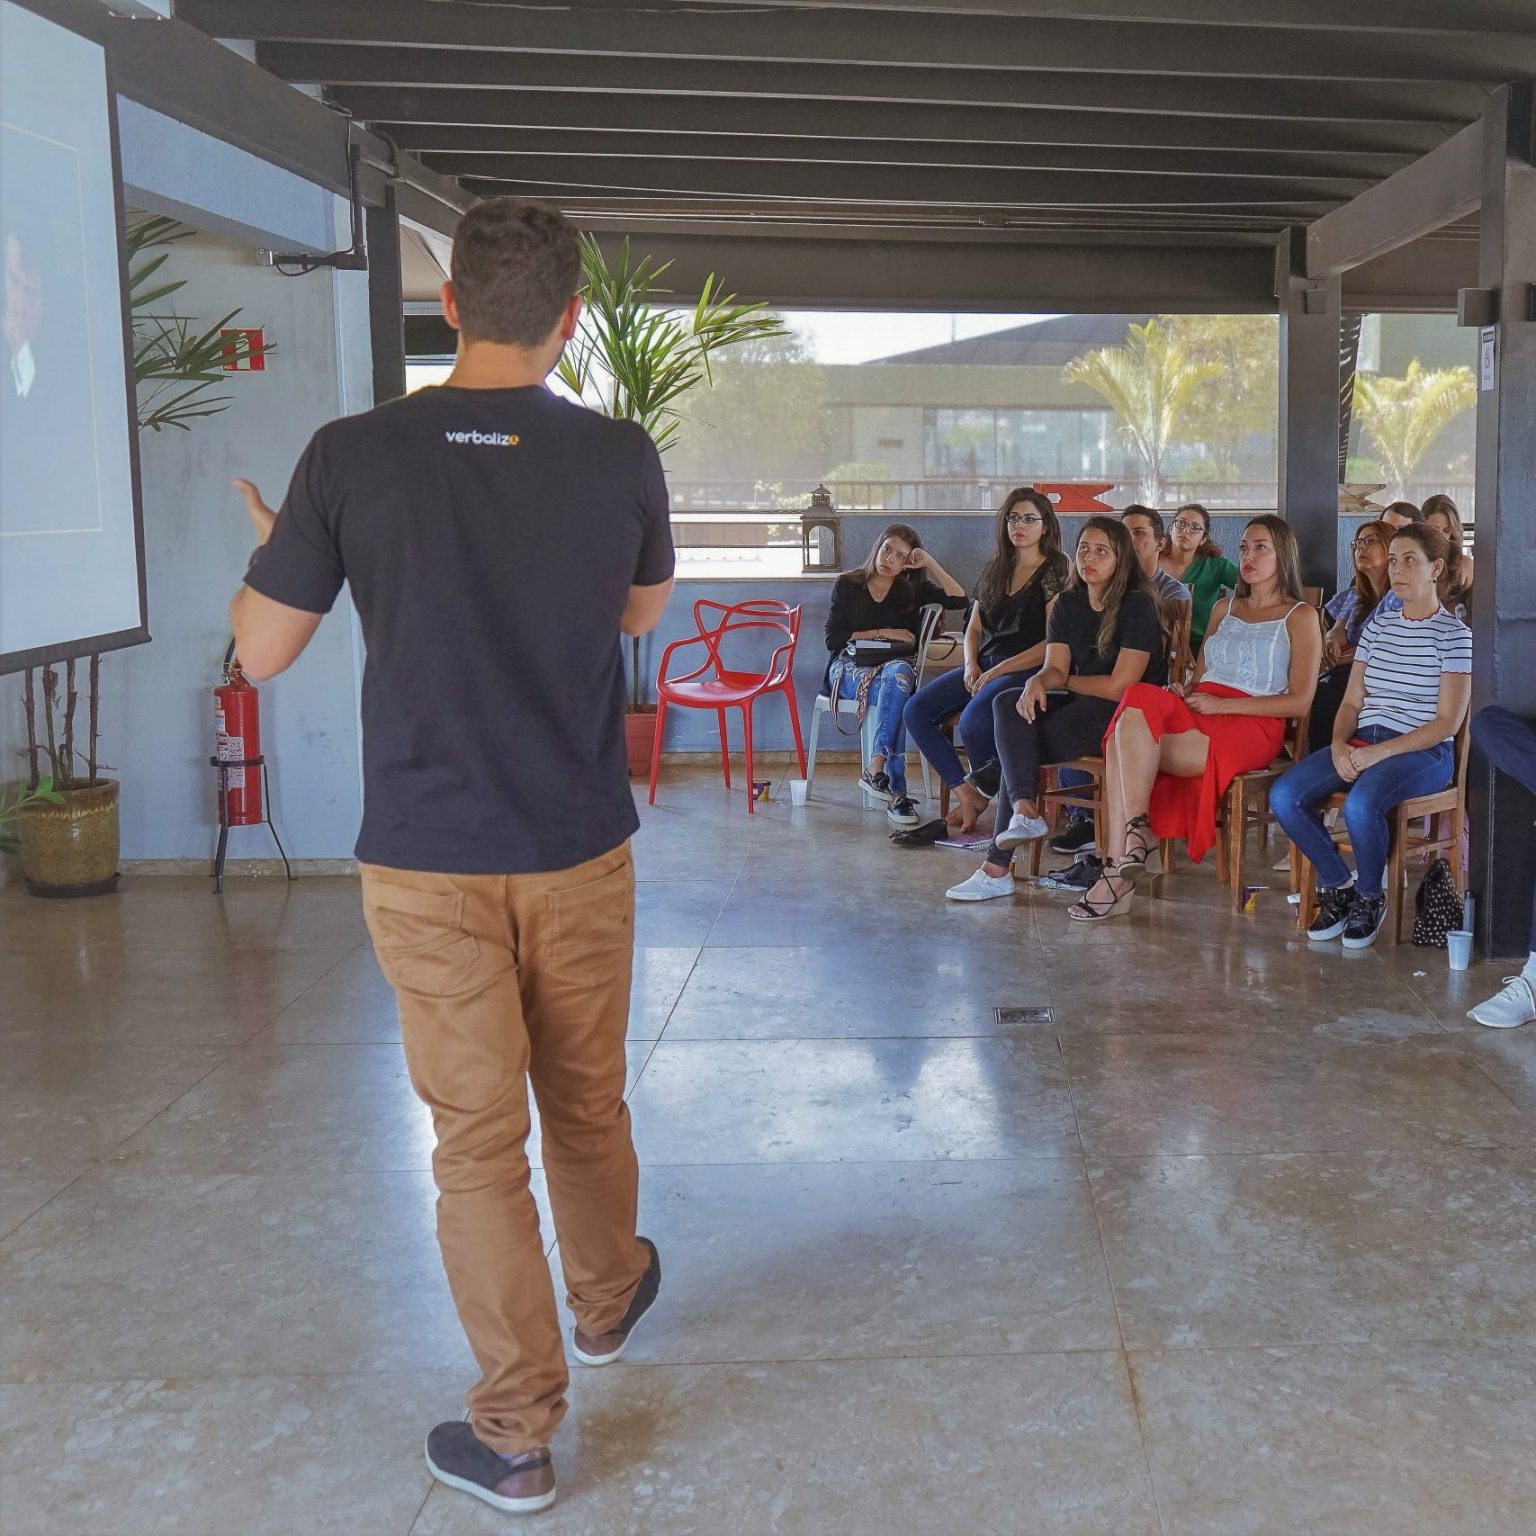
(1404, 416)
(1147, 383)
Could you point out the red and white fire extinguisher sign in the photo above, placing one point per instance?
(237, 727)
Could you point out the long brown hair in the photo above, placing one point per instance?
(1409, 509)
(912, 580)
(996, 579)
(1454, 586)
(1127, 578)
(1210, 549)
(1365, 598)
(1287, 558)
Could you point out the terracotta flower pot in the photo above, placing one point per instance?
(71, 849)
(639, 741)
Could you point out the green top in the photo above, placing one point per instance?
(1206, 576)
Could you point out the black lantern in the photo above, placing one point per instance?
(821, 535)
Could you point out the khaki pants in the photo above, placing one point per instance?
(503, 979)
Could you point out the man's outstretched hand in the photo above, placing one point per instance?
(263, 518)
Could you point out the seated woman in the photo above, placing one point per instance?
(1102, 636)
(1192, 557)
(884, 600)
(1407, 694)
(1171, 753)
(1456, 585)
(1004, 641)
(1349, 608)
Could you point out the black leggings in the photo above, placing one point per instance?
(1066, 728)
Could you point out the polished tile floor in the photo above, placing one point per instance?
(1241, 1240)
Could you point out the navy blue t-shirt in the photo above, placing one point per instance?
(490, 538)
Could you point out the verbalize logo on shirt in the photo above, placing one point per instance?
(484, 439)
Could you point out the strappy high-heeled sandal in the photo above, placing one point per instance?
(1138, 856)
(1088, 910)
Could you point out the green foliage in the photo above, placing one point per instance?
(1148, 384)
(1241, 399)
(633, 359)
(15, 800)
(1403, 416)
(175, 365)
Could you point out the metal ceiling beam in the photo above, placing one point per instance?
(411, 107)
(1434, 190)
(889, 37)
(1348, 175)
(1441, 102)
(942, 185)
(1364, 15)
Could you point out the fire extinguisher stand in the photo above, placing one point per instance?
(242, 765)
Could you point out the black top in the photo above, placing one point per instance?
(490, 539)
(1018, 622)
(853, 607)
(1074, 623)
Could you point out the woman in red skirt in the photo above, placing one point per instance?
(1170, 753)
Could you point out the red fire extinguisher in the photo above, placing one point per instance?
(237, 723)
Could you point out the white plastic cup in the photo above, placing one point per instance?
(1458, 948)
(797, 791)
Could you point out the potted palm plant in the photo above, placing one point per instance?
(66, 813)
(633, 358)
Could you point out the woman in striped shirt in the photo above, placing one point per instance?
(1407, 695)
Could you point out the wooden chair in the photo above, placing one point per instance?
(1403, 843)
(1054, 799)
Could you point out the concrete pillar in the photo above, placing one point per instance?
(1309, 408)
(1504, 596)
(386, 305)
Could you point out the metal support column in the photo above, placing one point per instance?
(1309, 408)
(1504, 596)
(386, 304)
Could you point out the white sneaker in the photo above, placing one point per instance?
(1020, 829)
(981, 887)
(1508, 1009)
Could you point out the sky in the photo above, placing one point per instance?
(840, 336)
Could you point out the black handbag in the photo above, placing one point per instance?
(875, 653)
(1437, 906)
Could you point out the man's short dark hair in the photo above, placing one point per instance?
(516, 265)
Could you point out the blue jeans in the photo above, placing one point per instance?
(888, 695)
(1510, 745)
(942, 699)
(1075, 778)
(1382, 786)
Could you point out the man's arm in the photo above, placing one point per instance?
(269, 636)
(643, 610)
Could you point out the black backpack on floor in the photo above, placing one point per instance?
(1437, 906)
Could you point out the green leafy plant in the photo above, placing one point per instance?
(1403, 416)
(1147, 383)
(14, 800)
(633, 356)
(175, 364)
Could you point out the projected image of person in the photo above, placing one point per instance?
(48, 420)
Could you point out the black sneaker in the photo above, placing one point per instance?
(876, 785)
(1332, 912)
(516, 1485)
(901, 812)
(1081, 876)
(1366, 916)
(1078, 837)
(605, 1348)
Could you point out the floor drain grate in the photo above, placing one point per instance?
(1022, 1015)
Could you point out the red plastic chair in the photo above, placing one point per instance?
(713, 685)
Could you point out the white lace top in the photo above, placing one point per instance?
(1254, 658)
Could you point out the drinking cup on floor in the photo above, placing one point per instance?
(797, 791)
(1458, 948)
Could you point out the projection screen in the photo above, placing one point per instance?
(71, 529)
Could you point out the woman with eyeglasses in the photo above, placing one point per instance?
(1408, 691)
(1004, 643)
(1103, 635)
(1171, 753)
(1349, 608)
(1194, 558)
